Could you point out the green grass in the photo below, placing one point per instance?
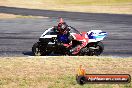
(59, 72)
(86, 2)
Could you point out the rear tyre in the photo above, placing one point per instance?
(36, 49)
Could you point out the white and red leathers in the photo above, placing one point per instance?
(81, 37)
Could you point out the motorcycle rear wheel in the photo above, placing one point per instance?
(36, 50)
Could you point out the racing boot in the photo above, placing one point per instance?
(75, 50)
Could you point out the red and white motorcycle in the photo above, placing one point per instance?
(48, 43)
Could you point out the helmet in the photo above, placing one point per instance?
(62, 26)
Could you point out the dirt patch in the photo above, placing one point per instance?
(10, 16)
(7, 16)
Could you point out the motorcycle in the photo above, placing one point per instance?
(50, 44)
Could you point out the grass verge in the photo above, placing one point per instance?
(10, 16)
(92, 6)
(59, 72)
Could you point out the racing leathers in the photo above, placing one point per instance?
(74, 42)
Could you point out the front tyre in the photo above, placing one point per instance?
(100, 47)
(36, 49)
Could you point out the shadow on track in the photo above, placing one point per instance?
(29, 53)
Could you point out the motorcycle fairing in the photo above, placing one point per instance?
(96, 35)
(49, 33)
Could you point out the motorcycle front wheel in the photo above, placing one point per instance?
(100, 49)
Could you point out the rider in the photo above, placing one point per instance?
(63, 34)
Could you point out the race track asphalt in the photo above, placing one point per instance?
(18, 35)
